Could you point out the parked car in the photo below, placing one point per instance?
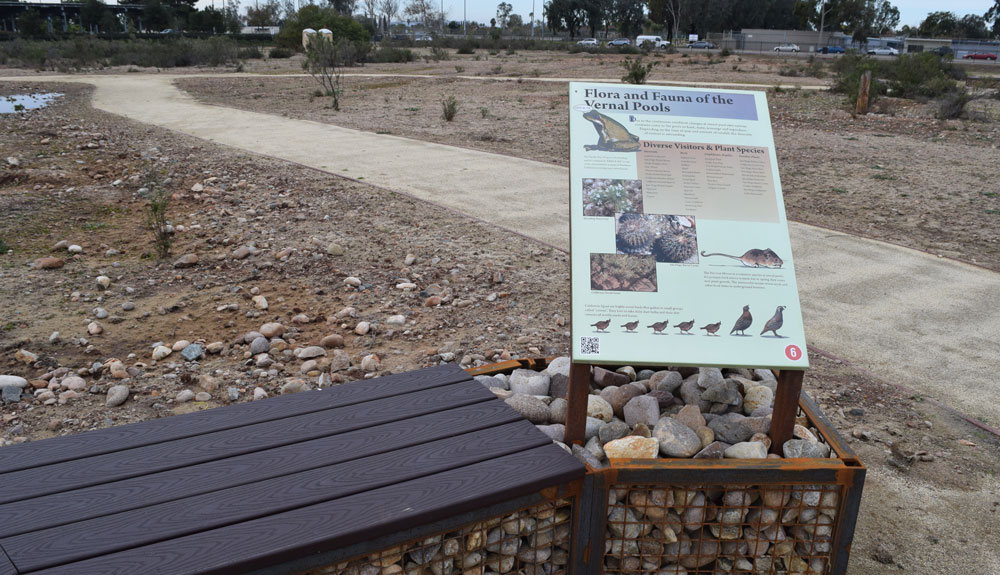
(943, 51)
(833, 50)
(980, 56)
(702, 45)
(588, 42)
(883, 51)
(656, 41)
(620, 42)
(786, 48)
(423, 38)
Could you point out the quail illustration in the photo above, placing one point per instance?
(602, 325)
(660, 326)
(630, 326)
(685, 326)
(712, 328)
(774, 324)
(743, 322)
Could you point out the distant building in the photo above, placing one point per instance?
(272, 30)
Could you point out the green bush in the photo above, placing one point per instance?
(848, 70)
(251, 53)
(922, 75)
(467, 47)
(635, 71)
(280, 53)
(86, 52)
(393, 55)
(449, 107)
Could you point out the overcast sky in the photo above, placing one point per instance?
(910, 11)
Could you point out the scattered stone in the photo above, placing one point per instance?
(25, 356)
(676, 439)
(642, 409)
(690, 416)
(55, 337)
(757, 397)
(371, 363)
(599, 408)
(332, 341)
(272, 329)
(74, 383)
(530, 407)
(186, 261)
(604, 378)
(726, 392)
(396, 320)
(259, 393)
(747, 450)
(352, 281)
(362, 328)
(529, 382)
(731, 428)
(215, 347)
(117, 395)
(184, 396)
(335, 249)
(13, 381)
(128, 306)
(294, 386)
(311, 352)
(432, 301)
(259, 346)
(709, 376)
(193, 352)
(714, 450)
(632, 447)
(612, 431)
(100, 313)
(49, 263)
(160, 352)
(104, 281)
(203, 396)
(94, 328)
(796, 448)
(75, 249)
(10, 394)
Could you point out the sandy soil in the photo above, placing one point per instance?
(855, 174)
(931, 499)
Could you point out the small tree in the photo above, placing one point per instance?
(324, 58)
(156, 216)
(635, 71)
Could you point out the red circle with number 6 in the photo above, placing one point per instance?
(793, 352)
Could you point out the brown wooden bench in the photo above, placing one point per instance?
(273, 485)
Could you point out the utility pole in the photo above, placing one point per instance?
(465, 17)
(532, 18)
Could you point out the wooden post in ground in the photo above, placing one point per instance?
(576, 403)
(786, 408)
(866, 82)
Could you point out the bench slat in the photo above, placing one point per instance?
(26, 456)
(6, 567)
(278, 538)
(235, 440)
(71, 506)
(174, 519)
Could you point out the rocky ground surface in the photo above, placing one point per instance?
(854, 174)
(281, 279)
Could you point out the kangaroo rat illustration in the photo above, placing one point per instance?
(754, 258)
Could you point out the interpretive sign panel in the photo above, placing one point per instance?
(680, 250)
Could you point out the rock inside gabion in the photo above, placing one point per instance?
(535, 541)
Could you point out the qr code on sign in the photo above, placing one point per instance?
(590, 345)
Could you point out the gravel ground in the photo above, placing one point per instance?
(347, 252)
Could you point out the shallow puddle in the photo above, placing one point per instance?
(22, 102)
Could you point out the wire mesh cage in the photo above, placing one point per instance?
(535, 540)
(731, 528)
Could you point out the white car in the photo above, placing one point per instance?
(883, 51)
(787, 48)
(588, 42)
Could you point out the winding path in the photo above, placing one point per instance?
(928, 323)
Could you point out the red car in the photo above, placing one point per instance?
(980, 56)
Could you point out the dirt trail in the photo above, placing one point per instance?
(909, 317)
